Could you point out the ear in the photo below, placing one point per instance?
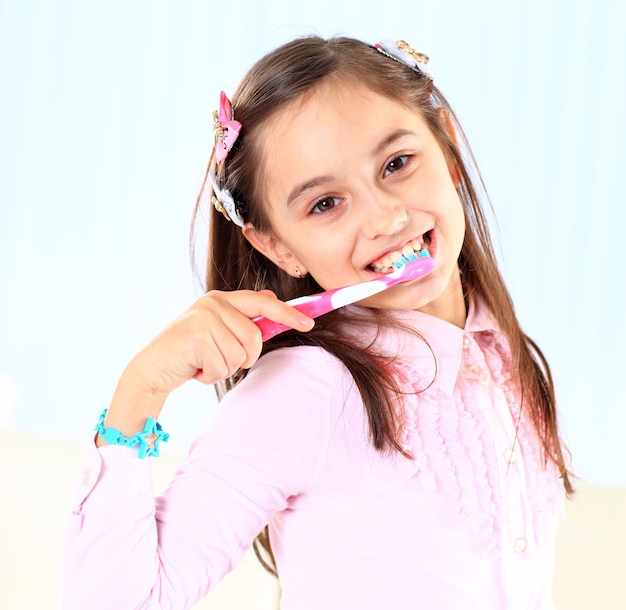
(447, 123)
(274, 249)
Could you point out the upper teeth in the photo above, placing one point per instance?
(409, 250)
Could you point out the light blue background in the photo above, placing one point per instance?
(105, 127)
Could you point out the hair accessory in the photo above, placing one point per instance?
(223, 202)
(148, 439)
(225, 127)
(404, 53)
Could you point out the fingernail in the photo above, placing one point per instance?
(306, 321)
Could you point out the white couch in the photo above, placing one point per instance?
(38, 473)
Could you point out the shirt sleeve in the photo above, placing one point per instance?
(267, 443)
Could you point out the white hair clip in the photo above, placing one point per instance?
(223, 202)
(406, 54)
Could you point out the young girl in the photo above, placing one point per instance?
(402, 451)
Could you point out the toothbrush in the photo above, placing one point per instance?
(316, 305)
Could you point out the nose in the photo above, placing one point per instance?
(384, 215)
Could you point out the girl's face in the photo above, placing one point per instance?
(351, 178)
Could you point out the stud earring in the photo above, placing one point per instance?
(298, 272)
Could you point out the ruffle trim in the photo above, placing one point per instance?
(459, 439)
(456, 436)
(545, 489)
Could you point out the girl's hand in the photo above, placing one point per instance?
(211, 340)
(208, 342)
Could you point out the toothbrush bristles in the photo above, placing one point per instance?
(405, 260)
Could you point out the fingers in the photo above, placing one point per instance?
(265, 303)
(227, 342)
(228, 339)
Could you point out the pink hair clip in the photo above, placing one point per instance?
(225, 127)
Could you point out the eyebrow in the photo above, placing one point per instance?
(298, 190)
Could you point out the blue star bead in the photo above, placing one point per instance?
(150, 438)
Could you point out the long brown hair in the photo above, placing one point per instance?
(295, 70)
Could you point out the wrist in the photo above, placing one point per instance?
(135, 399)
(133, 404)
(146, 441)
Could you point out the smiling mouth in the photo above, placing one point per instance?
(416, 248)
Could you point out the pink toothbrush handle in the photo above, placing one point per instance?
(316, 305)
(313, 309)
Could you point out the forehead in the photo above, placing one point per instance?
(334, 100)
(326, 130)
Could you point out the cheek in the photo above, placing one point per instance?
(459, 227)
(330, 263)
(452, 225)
(460, 214)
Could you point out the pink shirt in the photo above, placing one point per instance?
(468, 524)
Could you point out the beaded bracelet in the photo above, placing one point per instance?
(148, 439)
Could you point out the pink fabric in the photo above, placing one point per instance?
(462, 525)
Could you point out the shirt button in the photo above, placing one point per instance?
(467, 343)
(509, 456)
(479, 373)
(86, 477)
(519, 546)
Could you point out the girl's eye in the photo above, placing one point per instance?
(327, 204)
(396, 164)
